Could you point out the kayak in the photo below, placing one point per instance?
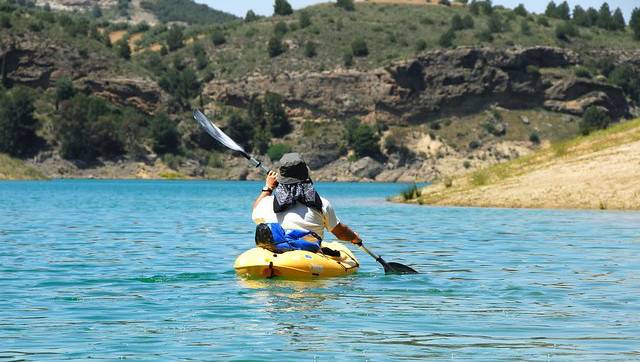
(297, 264)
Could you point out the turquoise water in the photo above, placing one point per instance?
(143, 271)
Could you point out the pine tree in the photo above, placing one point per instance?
(592, 16)
(604, 17)
(520, 10)
(175, 38)
(551, 10)
(282, 7)
(617, 21)
(580, 16)
(563, 12)
(251, 16)
(635, 23)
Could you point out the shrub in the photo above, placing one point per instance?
(411, 192)
(543, 21)
(164, 134)
(304, 20)
(310, 49)
(250, 16)
(421, 45)
(524, 27)
(520, 10)
(466, 164)
(485, 36)
(347, 58)
(282, 7)
(280, 29)
(123, 49)
(447, 38)
(240, 130)
(277, 150)
(495, 24)
(275, 115)
(456, 23)
(64, 90)
(17, 124)
(467, 22)
(182, 83)
(566, 30)
(359, 47)
(474, 145)
(594, 118)
(275, 46)
(582, 72)
(175, 38)
(626, 78)
(534, 137)
(346, 5)
(218, 37)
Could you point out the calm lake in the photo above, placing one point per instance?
(143, 270)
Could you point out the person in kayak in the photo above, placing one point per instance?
(289, 201)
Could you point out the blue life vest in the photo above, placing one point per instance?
(288, 240)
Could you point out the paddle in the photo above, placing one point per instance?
(217, 134)
(221, 137)
(389, 268)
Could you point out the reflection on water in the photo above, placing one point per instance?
(143, 270)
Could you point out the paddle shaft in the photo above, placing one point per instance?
(373, 255)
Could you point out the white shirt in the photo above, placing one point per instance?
(299, 216)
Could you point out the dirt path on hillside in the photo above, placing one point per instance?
(606, 179)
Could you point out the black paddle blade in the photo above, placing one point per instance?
(397, 268)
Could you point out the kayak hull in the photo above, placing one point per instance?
(299, 264)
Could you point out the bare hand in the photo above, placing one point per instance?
(271, 180)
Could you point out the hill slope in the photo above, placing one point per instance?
(601, 170)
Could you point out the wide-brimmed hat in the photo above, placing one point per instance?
(293, 169)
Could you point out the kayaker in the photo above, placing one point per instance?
(289, 199)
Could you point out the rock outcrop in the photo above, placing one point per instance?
(437, 84)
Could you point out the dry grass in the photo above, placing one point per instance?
(13, 169)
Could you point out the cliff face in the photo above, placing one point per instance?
(438, 84)
(32, 61)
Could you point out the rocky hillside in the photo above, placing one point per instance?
(387, 92)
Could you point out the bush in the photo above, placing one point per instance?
(347, 58)
(64, 90)
(533, 70)
(164, 134)
(251, 16)
(495, 24)
(626, 78)
(447, 38)
(123, 49)
(466, 164)
(363, 139)
(534, 137)
(175, 38)
(282, 7)
(304, 20)
(346, 5)
(280, 29)
(275, 46)
(520, 10)
(524, 27)
(218, 38)
(634, 23)
(565, 31)
(275, 115)
(359, 47)
(582, 72)
(468, 22)
(411, 192)
(421, 45)
(456, 23)
(277, 150)
(310, 49)
(485, 36)
(17, 124)
(240, 130)
(182, 83)
(594, 118)
(543, 21)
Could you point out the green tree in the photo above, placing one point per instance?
(359, 47)
(96, 11)
(164, 134)
(617, 21)
(563, 11)
(182, 83)
(635, 23)
(604, 17)
(64, 90)
(592, 16)
(468, 22)
(495, 24)
(282, 7)
(347, 58)
(277, 150)
(421, 45)
(525, 29)
(456, 23)
(280, 29)
(565, 31)
(551, 10)
(17, 124)
(275, 46)
(123, 49)
(5, 21)
(593, 119)
(175, 38)
(364, 141)
(346, 5)
(218, 38)
(310, 49)
(304, 20)
(520, 10)
(580, 17)
(241, 130)
(251, 16)
(447, 38)
(625, 77)
(275, 115)
(200, 55)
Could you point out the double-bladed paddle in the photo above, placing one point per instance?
(218, 135)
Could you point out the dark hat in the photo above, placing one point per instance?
(293, 169)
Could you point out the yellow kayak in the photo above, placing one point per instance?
(298, 264)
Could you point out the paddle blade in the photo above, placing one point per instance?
(397, 268)
(216, 132)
